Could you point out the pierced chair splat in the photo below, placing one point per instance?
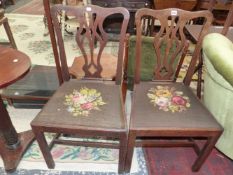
(91, 106)
(164, 112)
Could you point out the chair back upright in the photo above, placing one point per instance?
(169, 41)
(90, 36)
(229, 21)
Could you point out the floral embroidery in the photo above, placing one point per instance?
(168, 99)
(83, 101)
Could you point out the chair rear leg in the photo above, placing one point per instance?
(130, 150)
(44, 148)
(122, 153)
(206, 150)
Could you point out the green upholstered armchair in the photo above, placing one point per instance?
(218, 86)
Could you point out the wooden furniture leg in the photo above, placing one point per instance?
(199, 76)
(205, 152)
(9, 33)
(122, 153)
(130, 149)
(4, 21)
(44, 147)
(12, 145)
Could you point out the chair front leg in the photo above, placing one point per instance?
(122, 153)
(130, 150)
(44, 148)
(205, 152)
(9, 33)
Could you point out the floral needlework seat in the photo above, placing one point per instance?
(83, 101)
(166, 113)
(168, 99)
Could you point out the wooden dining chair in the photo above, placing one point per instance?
(92, 105)
(229, 20)
(166, 113)
(4, 22)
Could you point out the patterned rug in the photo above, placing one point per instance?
(32, 38)
(178, 161)
(28, 31)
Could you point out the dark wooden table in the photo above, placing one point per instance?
(194, 31)
(13, 66)
(184, 4)
(112, 24)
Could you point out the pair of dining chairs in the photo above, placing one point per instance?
(92, 105)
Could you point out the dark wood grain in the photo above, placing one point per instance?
(11, 158)
(13, 66)
(112, 23)
(108, 61)
(182, 4)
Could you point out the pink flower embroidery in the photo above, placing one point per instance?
(81, 102)
(76, 98)
(87, 106)
(168, 99)
(179, 100)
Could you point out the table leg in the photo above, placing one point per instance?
(12, 145)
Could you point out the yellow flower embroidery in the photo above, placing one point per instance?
(83, 101)
(168, 99)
